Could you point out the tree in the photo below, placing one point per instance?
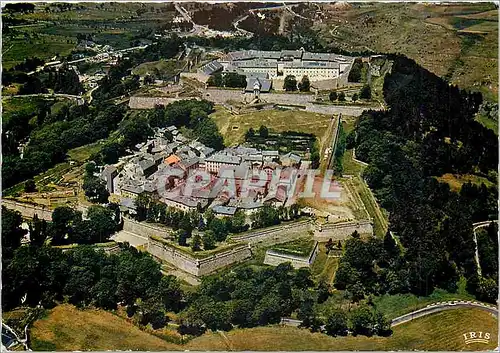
(336, 323)
(290, 83)
(142, 204)
(341, 97)
(208, 240)
(196, 242)
(29, 186)
(182, 236)
(263, 131)
(268, 310)
(111, 152)
(305, 84)
(95, 189)
(12, 233)
(382, 324)
(238, 222)
(101, 223)
(249, 134)
(323, 291)
(235, 80)
(135, 130)
(487, 290)
(63, 219)
(361, 320)
(354, 97)
(38, 231)
(390, 245)
(332, 96)
(216, 80)
(365, 92)
(218, 227)
(355, 72)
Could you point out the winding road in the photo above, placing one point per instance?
(477, 226)
(428, 310)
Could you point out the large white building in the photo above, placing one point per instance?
(279, 64)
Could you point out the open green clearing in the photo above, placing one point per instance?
(455, 181)
(399, 304)
(324, 266)
(164, 68)
(234, 127)
(299, 247)
(67, 328)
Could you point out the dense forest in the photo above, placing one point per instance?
(86, 276)
(428, 130)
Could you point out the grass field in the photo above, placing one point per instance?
(299, 247)
(67, 328)
(234, 127)
(82, 154)
(442, 331)
(455, 181)
(324, 267)
(399, 304)
(164, 67)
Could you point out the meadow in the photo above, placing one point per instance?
(68, 328)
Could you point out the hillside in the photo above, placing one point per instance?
(454, 41)
(101, 330)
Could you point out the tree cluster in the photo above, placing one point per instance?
(290, 83)
(87, 276)
(229, 79)
(193, 115)
(355, 73)
(51, 136)
(429, 130)
(247, 297)
(362, 320)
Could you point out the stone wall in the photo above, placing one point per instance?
(198, 267)
(28, 210)
(275, 235)
(145, 229)
(136, 102)
(274, 258)
(341, 231)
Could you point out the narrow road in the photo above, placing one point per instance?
(428, 310)
(477, 226)
(437, 307)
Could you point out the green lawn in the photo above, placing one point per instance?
(82, 154)
(163, 67)
(299, 247)
(234, 127)
(324, 267)
(438, 332)
(399, 304)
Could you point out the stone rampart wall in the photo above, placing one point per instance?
(198, 267)
(275, 235)
(341, 231)
(145, 229)
(28, 210)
